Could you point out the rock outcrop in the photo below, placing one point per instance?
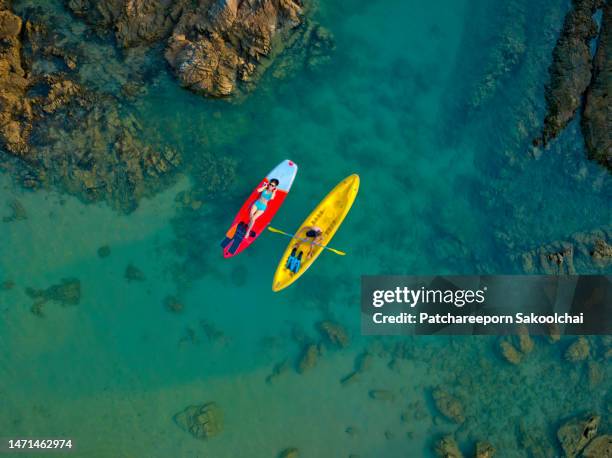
(212, 45)
(596, 118)
(573, 73)
(15, 108)
(577, 433)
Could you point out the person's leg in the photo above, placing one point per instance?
(256, 213)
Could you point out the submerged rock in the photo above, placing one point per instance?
(133, 273)
(334, 333)
(484, 450)
(67, 292)
(18, 212)
(104, 251)
(309, 358)
(173, 304)
(578, 351)
(447, 448)
(577, 433)
(510, 352)
(291, 452)
(600, 447)
(448, 405)
(202, 421)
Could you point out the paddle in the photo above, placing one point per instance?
(278, 231)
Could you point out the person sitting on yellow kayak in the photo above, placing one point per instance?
(309, 232)
(312, 234)
(268, 192)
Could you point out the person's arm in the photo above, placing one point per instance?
(273, 195)
(263, 186)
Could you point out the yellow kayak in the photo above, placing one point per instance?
(328, 216)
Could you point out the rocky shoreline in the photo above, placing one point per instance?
(575, 75)
(214, 47)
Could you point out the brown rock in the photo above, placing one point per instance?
(600, 447)
(334, 333)
(309, 358)
(484, 450)
(596, 117)
(577, 433)
(448, 405)
(570, 72)
(578, 351)
(202, 421)
(447, 448)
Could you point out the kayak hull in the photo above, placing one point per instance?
(236, 240)
(328, 216)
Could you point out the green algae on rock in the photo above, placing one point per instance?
(201, 421)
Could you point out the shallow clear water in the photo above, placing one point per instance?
(438, 195)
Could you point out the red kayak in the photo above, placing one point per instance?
(236, 239)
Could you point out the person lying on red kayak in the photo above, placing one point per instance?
(268, 192)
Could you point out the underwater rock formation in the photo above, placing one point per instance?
(577, 433)
(573, 74)
(291, 452)
(133, 273)
(578, 351)
(600, 447)
(66, 135)
(212, 45)
(309, 358)
(67, 292)
(334, 333)
(448, 405)
(596, 116)
(581, 252)
(201, 421)
(447, 448)
(484, 450)
(18, 212)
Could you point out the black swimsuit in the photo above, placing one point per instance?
(312, 233)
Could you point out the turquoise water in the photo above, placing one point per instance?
(445, 189)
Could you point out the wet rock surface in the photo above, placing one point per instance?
(577, 433)
(573, 71)
(596, 120)
(215, 47)
(66, 134)
(201, 421)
